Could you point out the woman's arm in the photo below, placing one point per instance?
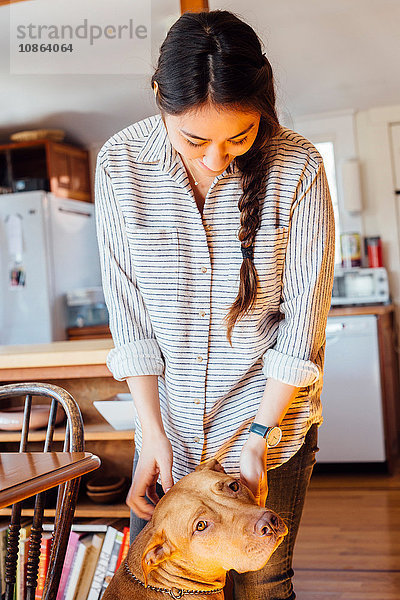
(274, 404)
(136, 350)
(306, 296)
(136, 357)
(156, 452)
(144, 391)
(307, 281)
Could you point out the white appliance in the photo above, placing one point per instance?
(353, 428)
(360, 285)
(48, 247)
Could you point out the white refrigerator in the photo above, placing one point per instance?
(48, 247)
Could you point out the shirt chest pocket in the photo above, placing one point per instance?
(155, 258)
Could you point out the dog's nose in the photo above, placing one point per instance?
(270, 524)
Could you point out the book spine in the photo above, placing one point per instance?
(21, 568)
(43, 566)
(24, 534)
(75, 571)
(69, 555)
(124, 547)
(90, 567)
(26, 565)
(102, 564)
(112, 562)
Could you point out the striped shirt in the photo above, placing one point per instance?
(170, 274)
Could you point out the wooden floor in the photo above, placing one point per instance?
(348, 547)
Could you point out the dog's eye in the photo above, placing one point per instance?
(234, 486)
(201, 526)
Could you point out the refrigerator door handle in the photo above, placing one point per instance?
(73, 212)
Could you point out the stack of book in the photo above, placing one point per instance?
(95, 551)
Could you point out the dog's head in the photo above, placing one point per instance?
(209, 523)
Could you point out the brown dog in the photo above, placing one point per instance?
(206, 524)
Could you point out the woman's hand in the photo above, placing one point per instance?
(155, 458)
(253, 467)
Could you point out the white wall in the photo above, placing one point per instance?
(368, 136)
(338, 127)
(381, 205)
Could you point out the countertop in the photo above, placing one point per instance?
(56, 354)
(376, 309)
(58, 360)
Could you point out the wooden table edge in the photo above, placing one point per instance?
(38, 484)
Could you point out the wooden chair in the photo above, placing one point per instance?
(67, 492)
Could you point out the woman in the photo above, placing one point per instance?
(216, 237)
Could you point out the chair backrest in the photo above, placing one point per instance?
(67, 492)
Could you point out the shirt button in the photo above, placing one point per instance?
(196, 439)
(199, 359)
(197, 401)
(202, 313)
(204, 269)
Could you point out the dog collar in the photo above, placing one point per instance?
(173, 592)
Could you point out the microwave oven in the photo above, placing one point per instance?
(359, 285)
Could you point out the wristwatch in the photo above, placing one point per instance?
(272, 435)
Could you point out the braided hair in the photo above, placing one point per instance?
(214, 57)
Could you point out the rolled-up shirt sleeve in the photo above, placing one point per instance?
(306, 285)
(136, 350)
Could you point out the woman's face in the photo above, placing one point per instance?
(209, 139)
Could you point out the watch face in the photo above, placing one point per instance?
(274, 437)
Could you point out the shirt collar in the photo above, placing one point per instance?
(158, 148)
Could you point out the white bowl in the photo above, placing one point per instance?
(119, 411)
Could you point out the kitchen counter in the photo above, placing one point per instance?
(376, 309)
(78, 358)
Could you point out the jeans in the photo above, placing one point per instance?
(287, 487)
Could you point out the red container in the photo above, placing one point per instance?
(374, 251)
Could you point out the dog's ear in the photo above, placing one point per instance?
(212, 465)
(157, 551)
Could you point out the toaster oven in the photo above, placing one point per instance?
(359, 285)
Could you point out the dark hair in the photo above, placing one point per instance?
(214, 57)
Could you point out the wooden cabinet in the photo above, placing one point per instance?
(89, 332)
(79, 367)
(60, 168)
